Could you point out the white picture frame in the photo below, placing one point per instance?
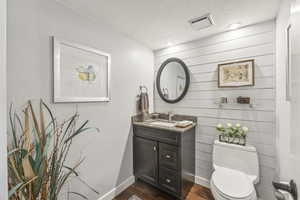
(81, 73)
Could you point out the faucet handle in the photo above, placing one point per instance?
(170, 115)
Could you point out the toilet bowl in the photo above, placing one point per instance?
(228, 184)
(235, 172)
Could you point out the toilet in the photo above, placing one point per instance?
(236, 171)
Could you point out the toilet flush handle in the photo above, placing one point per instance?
(290, 187)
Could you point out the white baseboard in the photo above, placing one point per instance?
(202, 181)
(118, 189)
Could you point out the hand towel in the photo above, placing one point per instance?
(144, 103)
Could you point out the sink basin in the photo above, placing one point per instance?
(162, 123)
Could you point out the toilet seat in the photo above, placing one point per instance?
(232, 184)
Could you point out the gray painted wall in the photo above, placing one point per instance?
(3, 168)
(108, 154)
(202, 57)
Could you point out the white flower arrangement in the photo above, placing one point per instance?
(229, 125)
(233, 134)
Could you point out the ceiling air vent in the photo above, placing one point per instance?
(202, 22)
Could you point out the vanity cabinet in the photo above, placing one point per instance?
(165, 158)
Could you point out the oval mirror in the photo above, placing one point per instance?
(173, 80)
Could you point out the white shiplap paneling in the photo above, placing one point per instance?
(202, 58)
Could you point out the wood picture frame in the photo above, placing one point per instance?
(236, 74)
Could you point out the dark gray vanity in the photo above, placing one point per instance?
(164, 155)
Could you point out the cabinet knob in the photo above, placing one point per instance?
(168, 180)
(154, 148)
(168, 156)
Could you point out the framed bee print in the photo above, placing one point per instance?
(81, 74)
(236, 74)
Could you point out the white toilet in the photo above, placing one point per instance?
(236, 171)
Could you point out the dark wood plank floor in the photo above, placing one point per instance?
(147, 192)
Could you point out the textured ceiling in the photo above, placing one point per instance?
(156, 23)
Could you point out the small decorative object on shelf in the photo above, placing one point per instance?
(223, 100)
(243, 100)
(232, 134)
(236, 101)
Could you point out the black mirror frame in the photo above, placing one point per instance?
(187, 75)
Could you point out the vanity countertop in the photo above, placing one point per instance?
(136, 120)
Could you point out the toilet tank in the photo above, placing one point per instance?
(242, 158)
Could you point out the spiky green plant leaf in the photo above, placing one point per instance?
(41, 151)
(13, 190)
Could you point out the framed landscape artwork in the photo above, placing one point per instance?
(236, 74)
(81, 74)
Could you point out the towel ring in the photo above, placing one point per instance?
(143, 87)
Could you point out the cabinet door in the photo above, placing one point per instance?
(145, 159)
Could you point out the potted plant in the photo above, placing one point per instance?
(37, 168)
(232, 134)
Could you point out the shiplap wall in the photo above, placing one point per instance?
(202, 58)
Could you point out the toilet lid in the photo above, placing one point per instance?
(232, 183)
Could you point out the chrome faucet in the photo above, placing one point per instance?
(170, 116)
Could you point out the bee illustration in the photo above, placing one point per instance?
(86, 74)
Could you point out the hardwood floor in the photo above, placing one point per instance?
(147, 192)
